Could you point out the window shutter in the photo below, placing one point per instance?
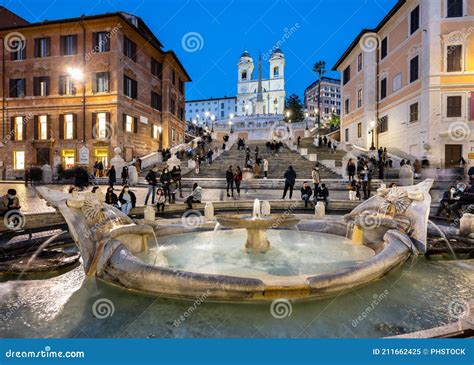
(135, 125)
(61, 85)
(12, 128)
(152, 126)
(124, 122)
(95, 42)
(48, 47)
(12, 88)
(74, 44)
(62, 45)
(472, 106)
(25, 126)
(36, 121)
(47, 78)
(107, 82)
(74, 127)
(35, 86)
(36, 51)
(61, 126)
(94, 83)
(134, 89)
(134, 51)
(95, 132)
(48, 126)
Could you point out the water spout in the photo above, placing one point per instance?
(443, 236)
(257, 212)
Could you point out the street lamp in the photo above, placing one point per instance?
(231, 116)
(246, 110)
(213, 118)
(306, 115)
(372, 131)
(77, 74)
(160, 129)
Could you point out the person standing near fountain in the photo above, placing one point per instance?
(290, 180)
(151, 180)
(316, 176)
(238, 177)
(112, 176)
(229, 177)
(366, 177)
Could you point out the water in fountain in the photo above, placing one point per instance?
(443, 236)
(257, 212)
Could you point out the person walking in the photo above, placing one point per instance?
(127, 199)
(290, 180)
(265, 168)
(197, 165)
(165, 180)
(316, 176)
(176, 176)
(100, 168)
(298, 142)
(112, 176)
(238, 177)
(306, 193)
(229, 177)
(209, 156)
(124, 175)
(152, 182)
(366, 177)
(351, 169)
(195, 197)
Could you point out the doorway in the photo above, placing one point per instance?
(43, 156)
(102, 154)
(453, 153)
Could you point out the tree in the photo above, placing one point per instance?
(335, 121)
(320, 68)
(294, 109)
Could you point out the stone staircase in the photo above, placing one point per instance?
(278, 163)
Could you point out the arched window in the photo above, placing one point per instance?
(244, 75)
(276, 71)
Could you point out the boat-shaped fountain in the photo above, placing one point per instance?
(258, 259)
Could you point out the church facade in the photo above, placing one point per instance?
(261, 96)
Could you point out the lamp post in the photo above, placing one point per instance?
(246, 110)
(77, 74)
(372, 131)
(231, 116)
(206, 115)
(160, 130)
(213, 118)
(306, 115)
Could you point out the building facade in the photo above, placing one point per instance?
(272, 89)
(204, 110)
(75, 89)
(330, 98)
(409, 83)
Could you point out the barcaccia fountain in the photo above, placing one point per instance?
(258, 259)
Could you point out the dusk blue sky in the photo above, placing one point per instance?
(316, 30)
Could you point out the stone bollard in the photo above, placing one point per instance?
(320, 210)
(266, 208)
(209, 211)
(466, 225)
(47, 174)
(132, 176)
(405, 176)
(303, 151)
(149, 213)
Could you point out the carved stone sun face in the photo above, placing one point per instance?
(396, 201)
(93, 210)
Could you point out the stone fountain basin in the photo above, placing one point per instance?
(128, 271)
(263, 222)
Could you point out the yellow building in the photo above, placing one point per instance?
(409, 82)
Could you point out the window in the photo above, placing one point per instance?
(359, 130)
(156, 68)
(17, 88)
(414, 65)
(346, 106)
(383, 89)
(129, 87)
(359, 98)
(101, 82)
(244, 75)
(66, 85)
(41, 86)
(383, 125)
(18, 129)
(68, 45)
(173, 77)
(173, 134)
(359, 62)
(397, 82)
(101, 126)
(455, 8)
(181, 86)
(42, 47)
(18, 50)
(415, 20)
(19, 160)
(128, 124)
(454, 107)
(155, 132)
(414, 113)
(173, 106)
(346, 75)
(42, 126)
(384, 48)
(155, 101)
(101, 41)
(130, 49)
(346, 134)
(276, 71)
(69, 126)
(68, 157)
(454, 58)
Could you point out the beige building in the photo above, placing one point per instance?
(409, 82)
